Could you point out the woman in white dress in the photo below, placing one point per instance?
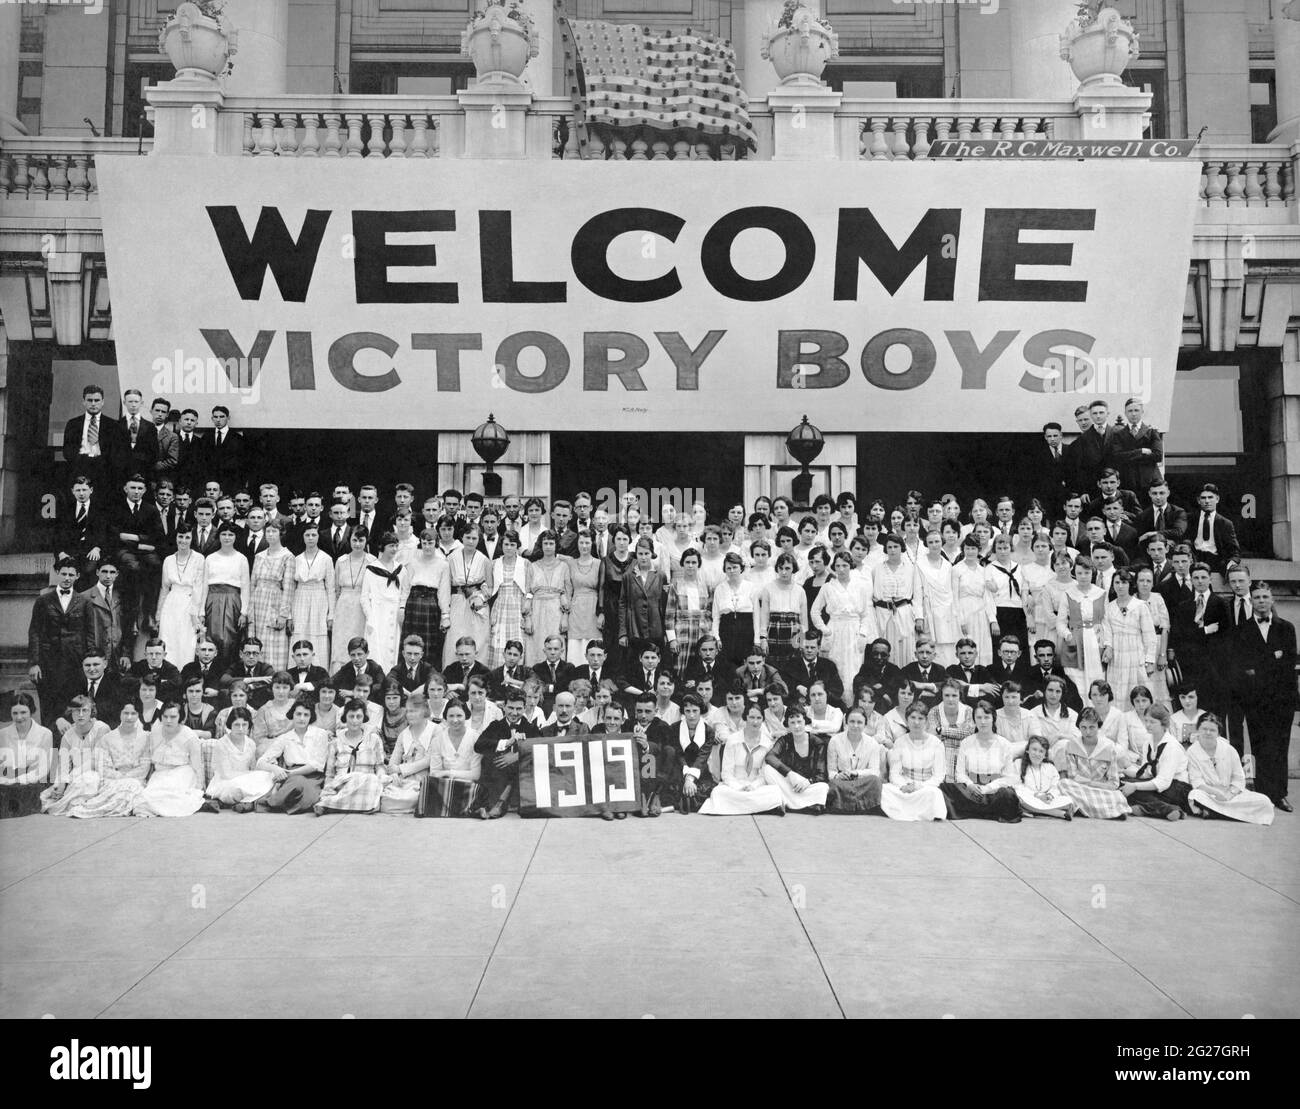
(1036, 573)
(470, 579)
(1013, 722)
(408, 765)
(511, 585)
(1078, 626)
(846, 616)
(381, 602)
(175, 786)
(106, 778)
(1157, 680)
(1184, 722)
(939, 605)
(349, 619)
(235, 782)
(897, 597)
(26, 759)
(972, 606)
(916, 772)
(1128, 639)
(744, 788)
(1039, 785)
(951, 720)
(1218, 781)
(313, 595)
(181, 600)
(822, 717)
(1051, 598)
(1054, 720)
(1131, 735)
(452, 754)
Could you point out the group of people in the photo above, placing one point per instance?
(832, 660)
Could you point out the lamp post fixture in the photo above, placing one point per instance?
(804, 443)
(490, 441)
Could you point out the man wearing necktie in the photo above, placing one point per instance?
(56, 640)
(1267, 653)
(1241, 620)
(141, 456)
(227, 450)
(1201, 637)
(1214, 538)
(93, 443)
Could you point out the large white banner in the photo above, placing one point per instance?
(655, 296)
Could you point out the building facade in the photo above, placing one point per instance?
(382, 79)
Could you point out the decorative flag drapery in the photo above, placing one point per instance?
(624, 78)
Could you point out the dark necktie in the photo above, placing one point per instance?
(81, 514)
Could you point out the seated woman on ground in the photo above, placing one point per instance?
(235, 781)
(797, 763)
(1038, 783)
(1218, 781)
(853, 766)
(354, 766)
(1089, 769)
(1156, 783)
(175, 786)
(105, 779)
(916, 771)
(296, 760)
(26, 759)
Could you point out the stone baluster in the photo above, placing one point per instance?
(6, 174)
(899, 148)
(986, 126)
(397, 142)
(435, 138)
(659, 149)
(681, 151)
(310, 147)
(22, 182)
(639, 145)
(419, 137)
(702, 152)
(79, 176)
(1214, 185)
(942, 128)
(921, 145)
(353, 148)
(1031, 127)
(289, 134)
(1236, 183)
(618, 147)
(265, 134)
(596, 146)
(1272, 183)
(249, 144)
(1007, 125)
(1254, 190)
(40, 188)
(965, 126)
(376, 147)
(58, 176)
(333, 141)
(879, 151)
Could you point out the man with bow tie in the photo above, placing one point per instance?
(56, 640)
(1266, 651)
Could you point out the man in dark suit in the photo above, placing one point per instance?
(411, 674)
(1240, 613)
(104, 615)
(251, 540)
(799, 673)
(92, 442)
(511, 674)
(966, 671)
(168, 439)
(658, 755)
(705, 665)
(566, 536)
(101, 685)
(1008, 665)
(1166, 518)
(879, 673)
(1095, 539)
(56, 640)
(1156, 557)
(566, 721)
(1267, 652)
(1138, 448)
(1095, 448)
(1047, 666)
(82, 535)
(154, 666)
(308, 675)
(755, 678)
(206, 541)
(205, 668)
(596, 669)
(170, 517)
(1070, 454)
(252, 671)
(489, 539)
(1200, 637)
(642, 673)
(1119, 533)
(1047, 470)
(1177, 586)
(336, 535)
(463, 667)
(137, 533)
(191, 454)
(924, 673)
(553, 672)
(225, 450)
(1107, 487)
(140, 436)
(1212, 535)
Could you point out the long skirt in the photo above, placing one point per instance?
(1092, 669)
(843, 645)
(88, 796)
(854, 795)
(296, 794)
(424, 618)
(221, 614)
(1160, 804)
(689, 628)
(973, 614)
(782, 635)
(176, 626)
(899, 628)
(925, 803)
(546, 622)
(1158, 682)
(401, 794)
(736, 637)
(358, 791)
(21, 800)
(1252, 807)
(724, 800)
(965, 803)
(508, 623)
(172, 791)
(1030, 803)
(1094, 801)
(267, 601)
(311, 616)
(252, 786)
(695, 802)
(1011, 621)
(815, 794)
(465, 621)
(382, 630)
(349, 622)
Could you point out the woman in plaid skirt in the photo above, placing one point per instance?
(426, 596)
(353, 766)
(689, 609)
(272, 601)
(782, 613)
(1089, 769)
(349, 617)
(511, 583)
(1128, 638)
(952, 721)
(313, 595)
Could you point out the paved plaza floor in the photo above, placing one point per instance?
(374, 916)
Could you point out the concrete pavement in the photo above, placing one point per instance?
(230, 916)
